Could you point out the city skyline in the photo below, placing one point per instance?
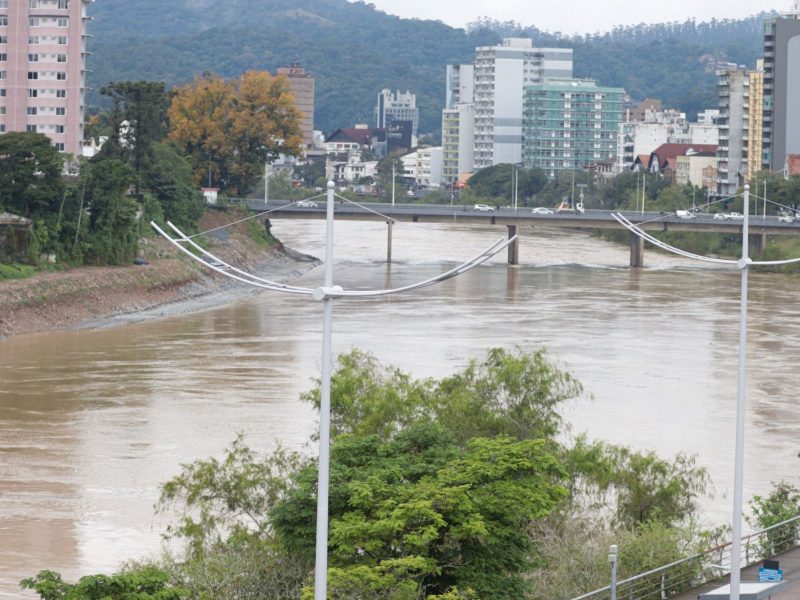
(576, 16)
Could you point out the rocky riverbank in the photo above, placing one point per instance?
(168, 284)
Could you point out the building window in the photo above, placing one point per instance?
(31, 128)
(3, 76)
(3, 39)
(3, 57)
(61, 111)
(62, 40)
(33, 3)
(3, 3)
(61, 93)
(33, 75)
(63, 4)
(59, 129)
(2, 127)
(4, 21)
(61, 76)
(33, 22)
(2, 110)
(62, 22)
(59, 146)
(33, 39)
(33, 58)
(62, 58)
(2, 93)
(32, 111)
(33, 93)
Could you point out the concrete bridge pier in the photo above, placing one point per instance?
(389, 241)
(758, 243)
(513, 248)
(637, 251)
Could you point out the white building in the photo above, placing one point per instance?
(501, 74)
(459, 85)
(429, 167)
(640, 138)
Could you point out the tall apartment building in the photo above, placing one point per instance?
(397, 107)
(43, 69)
(501, 75)
(781, 128)
(301, 85)
(570, 124)
(755, 122)
(734, 113)
(459, 85)
(458, 139)
(458, 123)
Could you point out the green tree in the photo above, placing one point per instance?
(782, 504)
(30, 174)
(146, 583)
(498, 182)
(169, 179)
(420, 511)
(112, 236)
(138, 121)
(517, 394)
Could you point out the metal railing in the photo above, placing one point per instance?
(693, 571)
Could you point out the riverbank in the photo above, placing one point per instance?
(169, 284)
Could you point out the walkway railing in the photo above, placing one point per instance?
(688, 573)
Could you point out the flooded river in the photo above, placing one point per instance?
(92, 421)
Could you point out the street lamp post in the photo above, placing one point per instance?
(612, 558)
(325, 294)
(744, 263)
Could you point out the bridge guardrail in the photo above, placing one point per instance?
(690, 572)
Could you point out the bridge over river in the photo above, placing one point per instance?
(514, 219)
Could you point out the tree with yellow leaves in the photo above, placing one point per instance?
(230, 128)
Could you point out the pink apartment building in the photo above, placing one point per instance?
(43, 69)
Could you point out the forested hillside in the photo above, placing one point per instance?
(354, 50)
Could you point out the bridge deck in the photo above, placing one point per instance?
(790, 565)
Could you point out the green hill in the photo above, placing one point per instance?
(354, 51)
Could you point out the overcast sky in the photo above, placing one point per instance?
(577, 16)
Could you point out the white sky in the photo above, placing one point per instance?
(577, 16)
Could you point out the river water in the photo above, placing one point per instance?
(92, 421)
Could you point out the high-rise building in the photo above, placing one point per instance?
(43, 69)
(458, 138)
(781, 128)
(570, 124)
(459, 85)
(500, 77)
(392, 108)
(301, 85)
(739, 155)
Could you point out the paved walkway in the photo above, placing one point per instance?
(790, 565)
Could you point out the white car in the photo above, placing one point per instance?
(735, 215)
(785, 219)
(721, 216)
(484, 208)
(684, 214)
(541, 210)
(306, 204)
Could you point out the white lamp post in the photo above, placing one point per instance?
(743, 264)
(326, 294)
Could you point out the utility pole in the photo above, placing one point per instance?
(393, 175)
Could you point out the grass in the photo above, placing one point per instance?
(16, 271)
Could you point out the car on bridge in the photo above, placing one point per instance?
(728, 216)
(306, 204)
(483, 208)
(541, 210)
(786, 219)
(685, 214)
